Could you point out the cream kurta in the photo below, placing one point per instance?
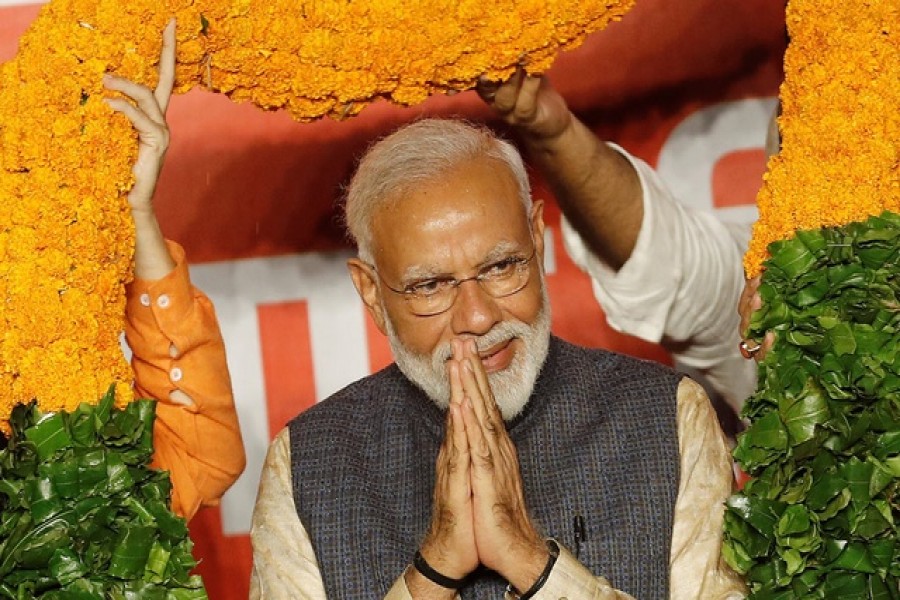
(285, 566)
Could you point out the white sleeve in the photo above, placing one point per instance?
(680, 287)
(284, 562)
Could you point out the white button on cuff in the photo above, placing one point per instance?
(145, 299)
(175, 374)
(163, 301)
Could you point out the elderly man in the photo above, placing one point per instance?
(492, 457)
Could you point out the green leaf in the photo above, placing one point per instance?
(792, 257)
(801, 415)
(132, 549)
(842, 340)
(65, 566)
(854, 557)
(43, 499)
(49, 435)
(819, 517)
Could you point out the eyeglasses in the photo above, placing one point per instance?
(433, 296)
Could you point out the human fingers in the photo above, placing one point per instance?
(455, 464)
(456, 387)
(153, 137)
(142, 96)
(449, 546)
(746, 304)
(506, 96)
(483, 405)
(481, 377)
(527, 104)
(750, 301)
(489, 90)
(504, 534)
(166, 82)
(766, 345)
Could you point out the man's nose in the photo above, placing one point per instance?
(474, 311)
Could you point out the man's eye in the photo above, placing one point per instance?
(429, 287)
(501, 269)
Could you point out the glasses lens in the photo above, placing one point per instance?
(500, 285)
(434, 304)
(509, 283)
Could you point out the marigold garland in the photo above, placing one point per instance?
(819, 517)
(66, 238)
(840, 126)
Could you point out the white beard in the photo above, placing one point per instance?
(511, 387)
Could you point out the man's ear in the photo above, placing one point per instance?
(363, 276)
(537, 228)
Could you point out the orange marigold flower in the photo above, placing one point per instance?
(66, 238)
(840, 126)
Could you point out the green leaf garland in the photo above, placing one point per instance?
(83, 516)
(819, 517)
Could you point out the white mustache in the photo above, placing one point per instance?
(502, 332)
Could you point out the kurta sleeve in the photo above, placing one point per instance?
(680, 286)
(707, 479)
(571, 579)
(179, 360)
(284, 562)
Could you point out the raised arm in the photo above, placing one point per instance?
(148, 115)
(178, 352)
(596, 187)
(662, 271)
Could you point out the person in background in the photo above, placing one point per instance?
(170, 326)
(492, 459)
(662, 271)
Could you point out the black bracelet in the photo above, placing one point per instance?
(545, 574)
(433, 576)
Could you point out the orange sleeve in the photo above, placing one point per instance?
(174, 337)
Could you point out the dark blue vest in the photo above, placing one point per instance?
(597, 439)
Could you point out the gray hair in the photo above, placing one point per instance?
(415, 154)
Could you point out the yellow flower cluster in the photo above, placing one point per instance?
(840, 123)
(66, 238)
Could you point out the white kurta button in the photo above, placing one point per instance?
(163, 301)
(175, 374)
(145, 299)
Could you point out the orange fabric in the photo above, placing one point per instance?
(200, 445)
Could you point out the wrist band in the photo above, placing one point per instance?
(433, 576)
(542, 578)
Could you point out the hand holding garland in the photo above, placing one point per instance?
(749, 302)
(196, 433)
(596, 187)
(147, 112)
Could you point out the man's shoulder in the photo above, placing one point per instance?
(600, 358)
(357, 399)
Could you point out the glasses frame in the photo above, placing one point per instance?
(408, 296)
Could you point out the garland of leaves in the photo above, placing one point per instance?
(83, 516)
(820, 516)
